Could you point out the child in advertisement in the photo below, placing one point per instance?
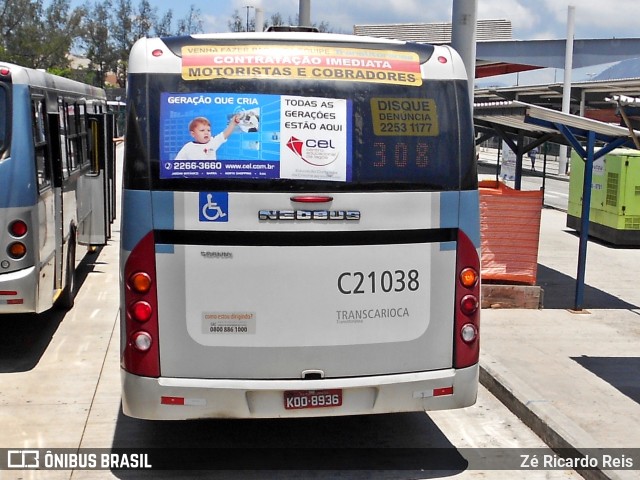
(204, 146)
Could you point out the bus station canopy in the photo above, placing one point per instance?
(513, 120)
(515, 117)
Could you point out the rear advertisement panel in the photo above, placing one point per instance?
(301, 62)
(225, 135)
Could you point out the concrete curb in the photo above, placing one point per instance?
(546, 421)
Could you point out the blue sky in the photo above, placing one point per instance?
(530, 19)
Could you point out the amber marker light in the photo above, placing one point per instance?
(468, 277)
(140, 282)
(17, 250)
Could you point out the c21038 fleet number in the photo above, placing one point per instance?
(354, 283)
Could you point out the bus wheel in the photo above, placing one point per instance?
(68, 295)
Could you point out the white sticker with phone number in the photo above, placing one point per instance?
(228, 323)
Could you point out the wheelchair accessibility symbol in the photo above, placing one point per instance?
(214, 207)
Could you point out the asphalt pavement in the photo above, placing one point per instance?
(573, 377)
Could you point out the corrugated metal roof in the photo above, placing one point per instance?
(437, 32)
(520, 116)
(593, 93)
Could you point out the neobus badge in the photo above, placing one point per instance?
(309, 215)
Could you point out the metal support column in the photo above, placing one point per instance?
(464, 17)
(584, 221)
(589, 156)
(304, 13)
(519, 154)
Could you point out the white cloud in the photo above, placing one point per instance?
(531, 19)
(521, 17)
(593, 19)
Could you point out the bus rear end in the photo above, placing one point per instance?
(321, 256)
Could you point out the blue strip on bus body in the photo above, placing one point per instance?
(18, 186)
(146, 210)
(136, 217)
(470, 215)
(461, 210)
(163, 216)
(163, 211)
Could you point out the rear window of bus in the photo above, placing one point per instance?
(390, 136)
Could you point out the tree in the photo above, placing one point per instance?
(59, 27)
(13, 14)
(121, 29)
(145, 20)
(237, 24)
(102, 30)
(97, 42)
(191, 23)
(163, 26)
(25, 24)
(276, 20)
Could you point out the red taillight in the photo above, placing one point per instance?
(469, 304)
(141, 311)
(141, 354)
(18, 229)
(157, 52)
(467, 321)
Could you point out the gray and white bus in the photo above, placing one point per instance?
(300, 228)
(56, 185)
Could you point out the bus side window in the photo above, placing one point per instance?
(81, 141)
(64, 137)
(74, 130)
(73, 133)
(94, 145)
(41, 147)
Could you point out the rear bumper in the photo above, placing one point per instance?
(141, 396)
(22, 285)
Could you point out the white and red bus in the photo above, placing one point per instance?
(300, 228)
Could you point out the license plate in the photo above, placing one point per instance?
(298, 399)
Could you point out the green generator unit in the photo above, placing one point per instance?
(615, 197)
